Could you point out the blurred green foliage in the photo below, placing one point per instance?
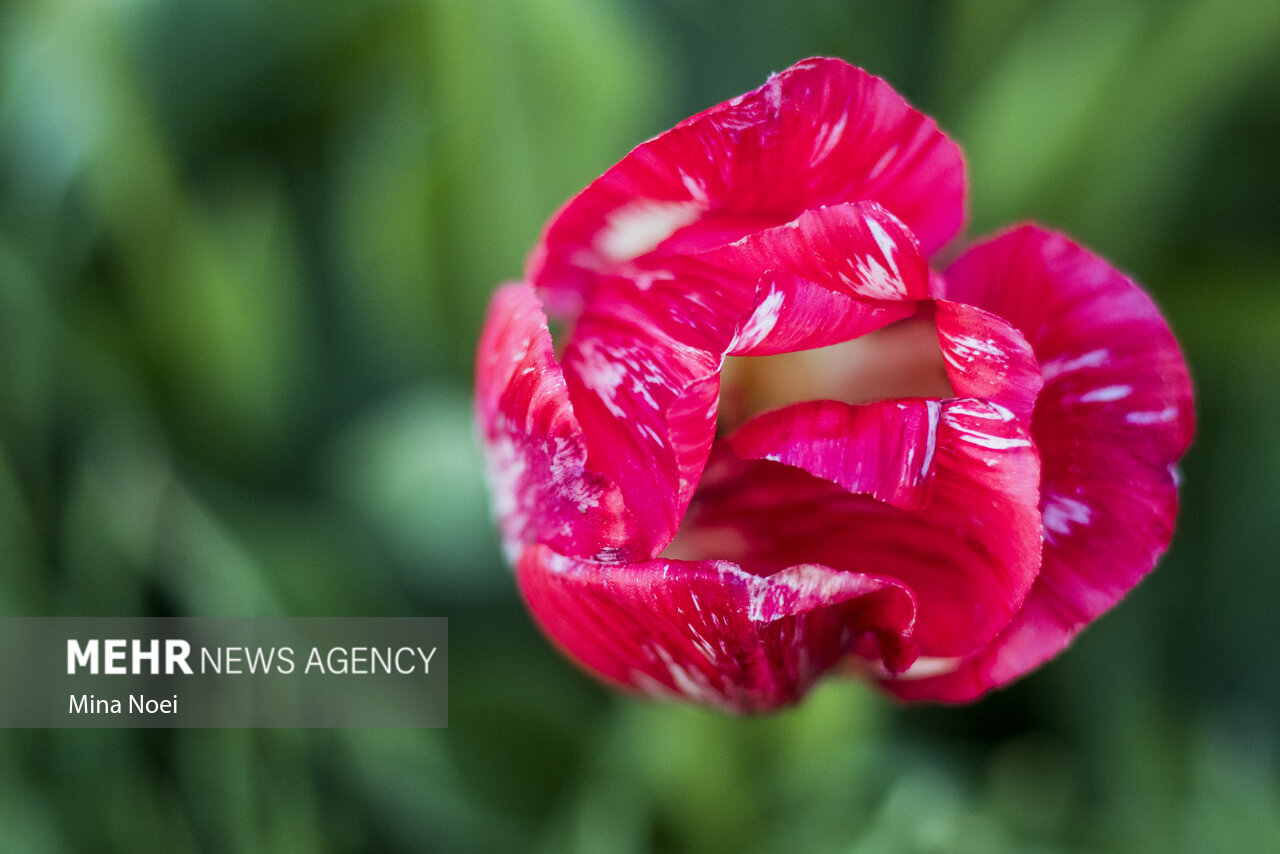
(244, 252)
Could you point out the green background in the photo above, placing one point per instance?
(245, 248)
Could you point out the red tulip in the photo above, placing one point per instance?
(775, 442)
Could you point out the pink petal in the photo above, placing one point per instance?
(709, 632)
(1113, 417)
(534, 447)
(883, 449)
(820, 133)
(646, 400)
(969, 553)
(857, 248)
(643, 363)
(987, 358)
(792, 314)
(689, 300)
(827, 276)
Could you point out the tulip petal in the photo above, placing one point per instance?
(857, 248)
(534, 447)
(649, 410)
(791, 314)
(709, 632)
(827, 276)
(987, 358)
(1112, 419)
(969, 553)
(819, 133)
(647, 404)
(883, 449)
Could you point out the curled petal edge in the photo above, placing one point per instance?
(956, 520)
(1113, 418)
(848, 130)
(710, 632)
(534, 448)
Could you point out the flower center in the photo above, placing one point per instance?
(901, 360)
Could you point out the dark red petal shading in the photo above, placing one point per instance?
(533, 444)
(969, 553)
(708, 631)
(819, 133)
(1113, 417)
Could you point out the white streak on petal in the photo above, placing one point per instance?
(761, 322)
(1059, 513)
(934, 409)
(994, 443)
(986, 410)
(885, 242)
(827, 139)
(885, 159)
(873, 279)
(926, 666)
(808, 582)
(505, 467)
(688, 681)
(567, 479)
(650, 434)
(601, 374)
(1065, 364)
(636, 228)
(982, 345)
(645, 279)
(1145, 418)
(1107, 394)
(697, 188)
(985, 440)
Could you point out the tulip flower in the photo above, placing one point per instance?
(772, 442)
